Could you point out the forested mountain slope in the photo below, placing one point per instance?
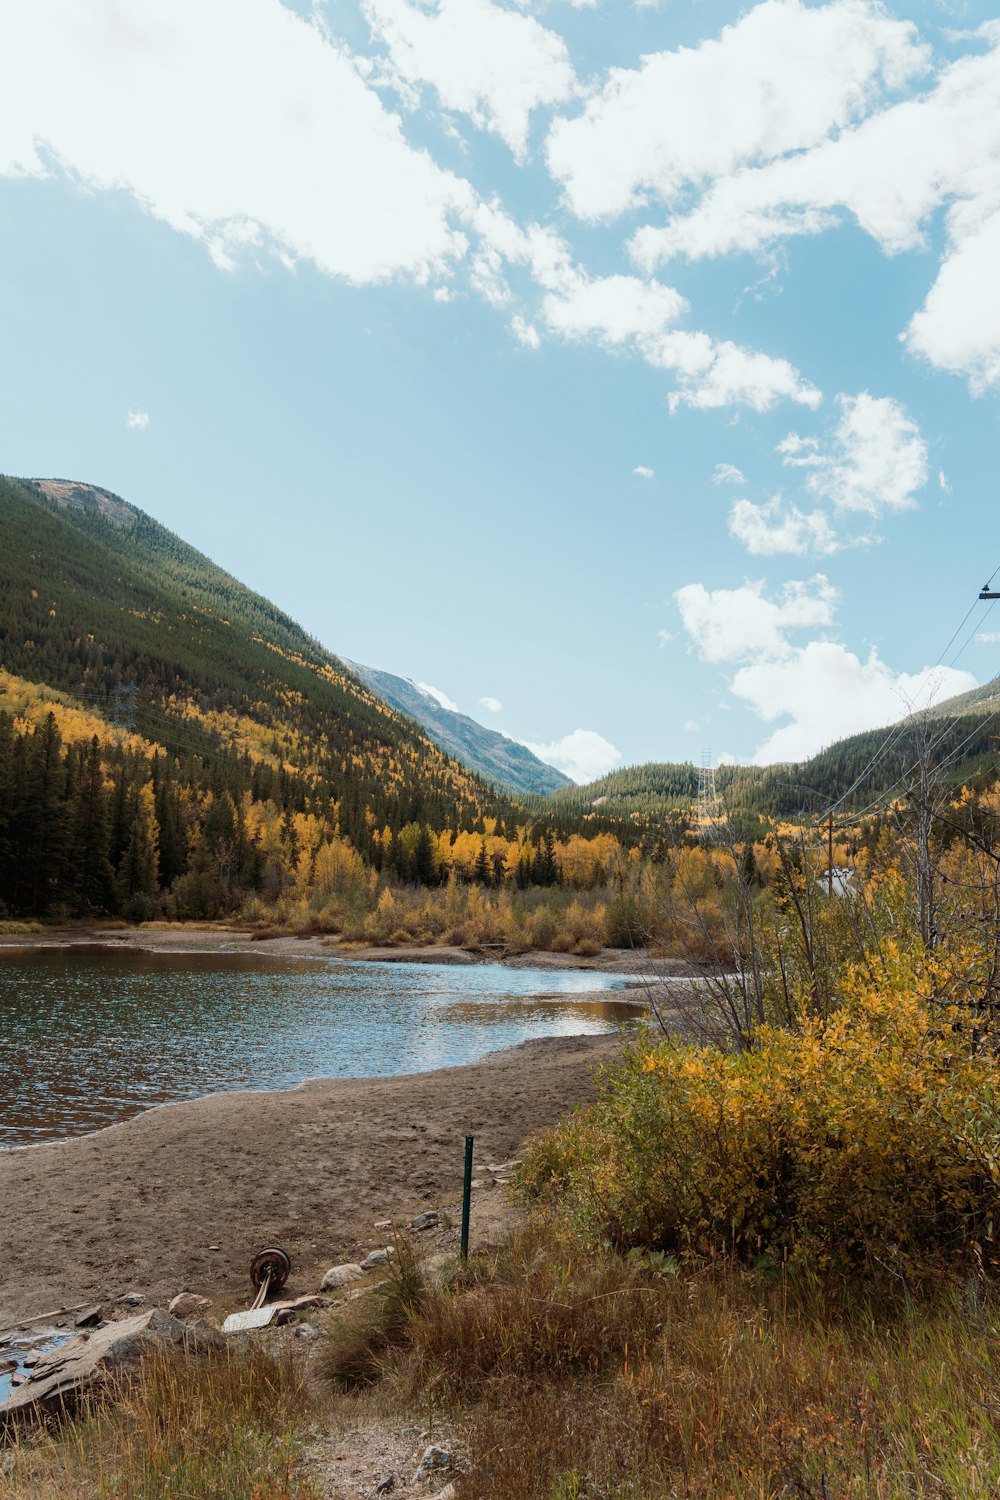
(510, 766)
(224, 692)
(959, 737)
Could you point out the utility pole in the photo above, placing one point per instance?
(829, 845)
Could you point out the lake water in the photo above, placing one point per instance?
(92, 1035)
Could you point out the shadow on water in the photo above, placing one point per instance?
(91, 1035)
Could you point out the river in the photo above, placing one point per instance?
(89, 1036)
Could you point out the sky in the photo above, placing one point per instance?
(626, 373)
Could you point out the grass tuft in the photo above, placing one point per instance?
(223, 1428)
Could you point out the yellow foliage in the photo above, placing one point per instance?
(867, 1138)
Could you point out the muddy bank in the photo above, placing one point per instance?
(183, 1195)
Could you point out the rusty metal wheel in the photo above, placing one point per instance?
(272, 1265)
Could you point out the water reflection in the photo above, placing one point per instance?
(89, 1036)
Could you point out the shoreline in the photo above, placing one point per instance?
(170, 937)
(182, 1195)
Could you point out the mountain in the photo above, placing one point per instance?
(960, 734)
(979, 700)
(124, 621)
(502, 761)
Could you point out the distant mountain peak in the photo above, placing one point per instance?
(89, 498)
(489, 752)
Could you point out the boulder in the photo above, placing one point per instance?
(188, 1305)
(92, 1361)
(340, 1276)
(89, 1317)
(377, 1258)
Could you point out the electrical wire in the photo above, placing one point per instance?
(897, 730)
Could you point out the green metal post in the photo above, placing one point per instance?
(467, 1196)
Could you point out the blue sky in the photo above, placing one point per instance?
(633, 368)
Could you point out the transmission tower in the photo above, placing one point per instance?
(708, 797)
(123, 706)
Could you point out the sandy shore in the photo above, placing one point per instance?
(183, 1195)
(167, 937)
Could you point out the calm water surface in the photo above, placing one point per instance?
(90, 1036)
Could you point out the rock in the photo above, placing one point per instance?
(377, 1258)
(428, 1220)
(383, 1224)
(385, 1485)
(434, 1459)
(448, 1493)
(7, 1366)
(188, 1305)
(340, 1276)
(307, 1331)
(131, 1299)
(84, 1365)
(285, 1312)
(505, 1167)
(89, 1317)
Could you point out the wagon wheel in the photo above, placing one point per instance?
(269, 1270)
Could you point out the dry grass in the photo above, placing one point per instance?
(602, 1378)
(219, 1429)
(358, 1343)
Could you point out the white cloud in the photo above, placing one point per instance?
(958, 327)
(876, 461)
(988, 637)
(782, 78)
(665, 637)
(137, 420)
(772, 527)
(238, 123)
(827, 692)
(728, 474)
(489, 63)
(492, 705)
(440, 698)
(892, 172)
(642, 472)
(944, 483)
(583, 755)
(691, 725)
(713, 374)
(625, 310)
(526, 333)
(614, 308)
(822, 689)
(734, 624)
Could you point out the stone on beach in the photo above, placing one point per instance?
(188, 1305)
(340, 1276)
(377, 1258)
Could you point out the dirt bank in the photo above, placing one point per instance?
(183, 1195)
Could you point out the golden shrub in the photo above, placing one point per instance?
(871, 1138)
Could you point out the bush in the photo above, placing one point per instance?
(865, 1141)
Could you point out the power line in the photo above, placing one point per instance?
(898, 729)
